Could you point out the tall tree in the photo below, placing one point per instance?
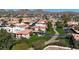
(59, 24)
(65, 18)
(20, 20)
(49, 25)
(6, 39)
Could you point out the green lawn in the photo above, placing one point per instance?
(60, 30)
(51, 31)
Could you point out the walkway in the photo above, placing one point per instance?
(53, 47)
(53, 38)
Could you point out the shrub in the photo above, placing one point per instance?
(38, 44)
(20, 46)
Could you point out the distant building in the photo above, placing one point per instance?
(13, 21)
(26, 20)
(21, 25)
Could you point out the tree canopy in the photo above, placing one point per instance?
(6, 40)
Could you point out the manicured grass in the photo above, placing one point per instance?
(51, 31)
(60, 30)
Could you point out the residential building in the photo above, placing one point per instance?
(53, 22)
(76, 37)
(40, 26)
(26, 20)
(72, 24)
(13, 21)
(24, 33)
(13, 29)
(21, 25)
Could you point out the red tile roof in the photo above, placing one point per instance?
(42, 21)
(76, 36)
(24, 32)
(21, 25)
(72, 23)
(27, 19)
(39, 27)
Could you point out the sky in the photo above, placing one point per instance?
(62, 10)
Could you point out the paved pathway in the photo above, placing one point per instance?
(31, 48)
(53, 38)
(53, 47)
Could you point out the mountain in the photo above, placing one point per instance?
(2, 11)
(23, 11)
(37, 11)
(33, 11)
